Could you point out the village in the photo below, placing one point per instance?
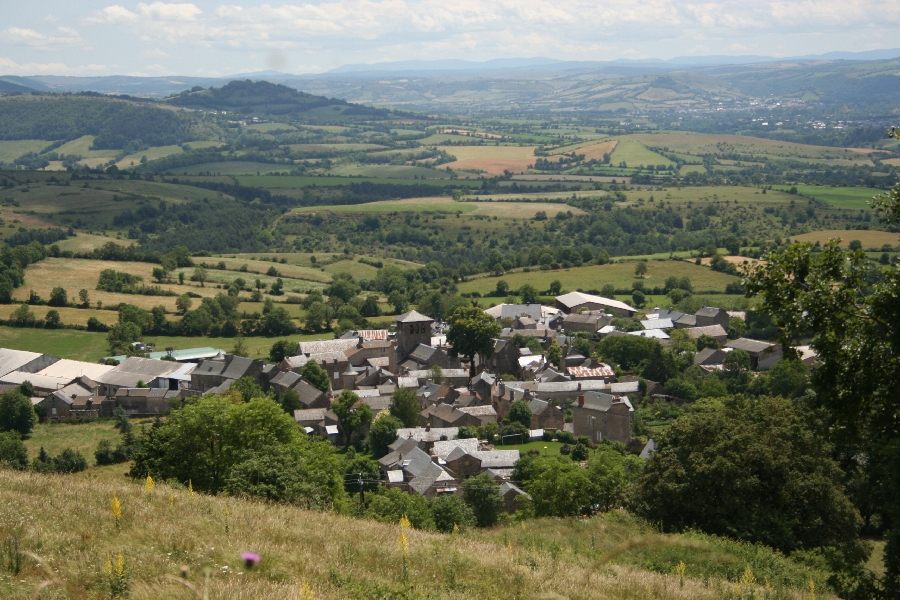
(464, 408)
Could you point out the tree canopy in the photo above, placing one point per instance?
(472, 331)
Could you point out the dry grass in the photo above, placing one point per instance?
(506, 152)
(492, 166)
(597, 151)
(66, 522)
(869, 239)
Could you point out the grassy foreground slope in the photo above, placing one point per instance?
(67, 522)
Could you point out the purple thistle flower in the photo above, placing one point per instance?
(250, 559)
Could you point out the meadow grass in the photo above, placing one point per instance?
(10, 150)
(66, 521)
(635, 154)
(504, 209)
(389, 171)
(840, 197)
(55, 437)
(699, 143)
(620, 275)
(299, 181)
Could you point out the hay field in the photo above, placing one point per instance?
(620, 275)
(266, 127)
(730, 193)
(504, 210)
(892, 161)
(869, 238)
(389, 171)
(237, 167)
(326, 555)
(493, 160)
(68, 316)
(85, 242)
(596, 151)
(11, 150)
(635, 154)
(713, 144)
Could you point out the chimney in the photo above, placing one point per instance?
(580, 399)
(428, 426)
(579, 386)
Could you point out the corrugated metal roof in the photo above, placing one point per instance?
(73, 369)
(178, 355)
(11, 360)
(573, 299)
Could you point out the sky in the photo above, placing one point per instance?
(215, 38)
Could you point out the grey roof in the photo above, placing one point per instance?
(662, 313)
(711, 330)
(708, 356)
(500, 473)
(310, 414)
(649, 449)
(625, 387)
(709, 311)
(651, 333)
(322, 346)
(147, 369)
(11, 360)
(286, 379)
(689, 320)
(210, 367)
(507, 487)
(511, 311)
(432, 435)
(586, 318)
(479, 411)
(378, 403)
(538, 406)
(408, 382)
(307, 392)
(657, 323)
(237, 368)
(442, 449)
(431, 475)
(221, 388)
(73, 369)
(395, 476)
(188, 354)
(497, 459)
(400, 446)
(414, 317)
(751, 346)
(422, 353)
(573, 299)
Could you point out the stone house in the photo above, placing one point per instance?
(598, 415)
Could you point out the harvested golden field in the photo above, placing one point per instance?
(506, 152)
(596, 151)
(492, 166)
(869, 239)
(69, 316)
(66, 522)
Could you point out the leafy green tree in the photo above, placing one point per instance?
(638, 297)
(183, 303)
(370, 307)
(247, 388)
(318, 317)
(84, 297)
(200, 274)
(737, 328)
(405, 407)
(502, 288)
(58, 297)
(753, 471)
(16, 413)
(558, 487)
(712, 387)
(361, 473)
(13, 453)
(529, 294)
(382, 433)
(277, 322)
(737, 360)
(304, 473)
(640, 269)
(398, 301)
(281, 349)
(52, 319)
(707, 341)
(789, 377)
(627, 351)
(555, 287)
(22, 316)
(290, 401)
(160, 273)
(316, 375)
(554, 353)
(472, 331)
(482, 494)
(451, 512)
(466, 432)
(352, 415)
(390, 505)
(69, 461)
(203, 441)
(519, 412)
(681, 388)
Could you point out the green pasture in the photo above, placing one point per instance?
(634, 154)
(389, 171)
(839, 197)
(620, 275)
(10, 150)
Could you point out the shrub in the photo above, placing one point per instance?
(450, 512)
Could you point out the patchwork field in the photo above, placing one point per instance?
(620, 275)
(506, 210)
(493, 160)
(236, 167)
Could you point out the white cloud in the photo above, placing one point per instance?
(162, 11)
(155, 53)
(62, 36)
(113, 15)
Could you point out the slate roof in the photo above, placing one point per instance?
(485, 410)
(413, 317)
(322, 346)
(147, 369)
(432, 435)
(237, 367)
(751, 346)
(210, 367)
(422, 353)
(649, 449)
(443, 449)
(711, 330)
(689, 320)
(309, 414)
(662, 313)
(401, 446)
(657, 323)
(709, 311)
(511, 311)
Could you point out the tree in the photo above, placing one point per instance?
(555, 287)
(405, 407)
(393, 504)
(352, 414)
(277, 322)
(22, 316)
(398, 301)
(316, 375)
(383, 433)
(160, 273)
(69, 461)
(85, 298)
(183, 303)
(16, 413)
(290, 401)
(638, 297)
(52, 320)
(519, 412)
(482, 494)
(502, 288)
(707, 341)
(317, 317)
(753, 470)
(370, 307)
(451, 512)
(281, 349)
(529, 294)
(13, 453)
(199, 275)
(789, 377)
(436, 374)
(640, 269)
(472, 331)
(737, 360)
(554, 352)
(58, 297)
(558, 487)
(121, 336)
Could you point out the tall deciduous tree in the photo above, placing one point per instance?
(482, 494)
(472, 331)
(16, 413)
(405, 407)
(316, 375)
(352, 414)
